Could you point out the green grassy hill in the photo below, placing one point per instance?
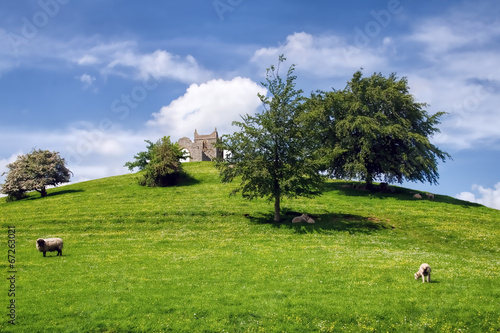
(193, 259)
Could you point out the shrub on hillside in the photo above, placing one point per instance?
(161, 163)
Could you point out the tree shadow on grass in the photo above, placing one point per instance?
(187, 180)
(356, 189)
(55, 193)
(329, 223)
(51, 193)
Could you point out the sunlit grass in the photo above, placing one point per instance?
(191, 258)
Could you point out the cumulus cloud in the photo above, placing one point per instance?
(321, 56)
(489, 197)
(216, 103)
(466, 196)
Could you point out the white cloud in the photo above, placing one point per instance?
(460, 75)
(456, 71)
(8, 57)
(4, 162)
(94, 152)
(89, 52)
(162, 64)
(87, 60)
(87, 80)
(471, 106)
(439, 38)
(321, 56)
(90, 152)
(466, 196)
(216, 103)
(461, 28)
(123, 58)
(489, 197)
(110, 58)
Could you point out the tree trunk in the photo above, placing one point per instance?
(43, 192)
(277, 187)
(277, 216)
(369, 182)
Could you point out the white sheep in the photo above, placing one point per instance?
(49, 245)
(424, 271)
(417, 196)
(303, 218)
(310, 220)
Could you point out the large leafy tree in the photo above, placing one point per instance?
(374, 129)
(271, 152)
(161, 163)
(34, 172)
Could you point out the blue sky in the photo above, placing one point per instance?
(94, 79)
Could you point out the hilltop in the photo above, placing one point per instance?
(192, 258)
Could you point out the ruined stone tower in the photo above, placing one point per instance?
(202, 149)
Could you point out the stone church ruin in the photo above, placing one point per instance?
(202, 149)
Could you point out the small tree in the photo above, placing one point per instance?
(34, 172)
(271, 152)
(161, 163)
(142, 158)
(374, 129)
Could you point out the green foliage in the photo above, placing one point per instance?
(375, 130)
(34, 172)
(194, 259)
(160, 163)
(142, 158)
(271, 152)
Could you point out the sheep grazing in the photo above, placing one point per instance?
(417, 196)
(430, 196)
(49, 245)
(423, 272)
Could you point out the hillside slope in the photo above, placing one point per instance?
(192, 258)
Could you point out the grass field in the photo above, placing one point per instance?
(193, 259)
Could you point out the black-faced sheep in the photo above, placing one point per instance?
(424, 271)
(49, 245)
